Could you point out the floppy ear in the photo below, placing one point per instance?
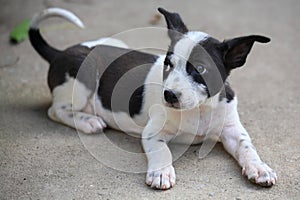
(175, 24)
(236, 50)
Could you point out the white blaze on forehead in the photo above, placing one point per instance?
(184, 46)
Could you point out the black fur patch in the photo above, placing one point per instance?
(121, 85)
(136, 101)
(167, 63)
(227, 93)
(208, 56)
(41, 46)
(66, 63)
(211, 45)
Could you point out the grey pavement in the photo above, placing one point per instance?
(40, 159)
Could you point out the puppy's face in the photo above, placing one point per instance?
(197, 65)
(191, 73)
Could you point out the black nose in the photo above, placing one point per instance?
(171, 97)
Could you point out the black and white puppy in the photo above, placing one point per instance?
(182, 94)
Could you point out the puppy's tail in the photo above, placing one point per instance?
(37, 41)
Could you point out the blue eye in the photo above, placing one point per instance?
(200, 69)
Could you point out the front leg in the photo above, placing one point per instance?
(238, 143)
(160, 173)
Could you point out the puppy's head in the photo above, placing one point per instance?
(197, 65)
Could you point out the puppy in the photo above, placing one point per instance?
(183, 95)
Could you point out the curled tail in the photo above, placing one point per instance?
(37, 41)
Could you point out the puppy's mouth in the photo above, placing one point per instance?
(173, 105)
(180, 106)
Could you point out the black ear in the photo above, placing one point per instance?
(175, 24)
(237, 49)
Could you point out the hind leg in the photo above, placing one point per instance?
(69, 102)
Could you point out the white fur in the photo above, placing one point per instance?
(105, 41)
(55, 12)
(185, 45)
(69, 101)
(237, 142)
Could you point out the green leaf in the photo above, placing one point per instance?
(20, 32)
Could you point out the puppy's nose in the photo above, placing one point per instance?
(171, 97)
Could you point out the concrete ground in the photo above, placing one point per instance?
(40, 159)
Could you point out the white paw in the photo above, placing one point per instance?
(90, 123)
(161, 179)
(260, 173)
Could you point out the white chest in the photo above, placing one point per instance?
(199, 121)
